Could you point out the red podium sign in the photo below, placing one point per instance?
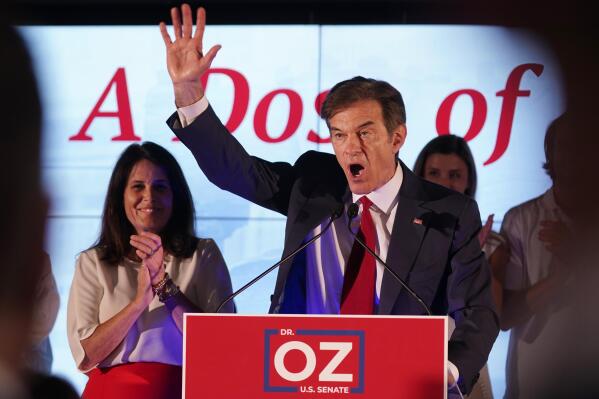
(288, 357)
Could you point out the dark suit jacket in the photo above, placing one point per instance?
(440, 259)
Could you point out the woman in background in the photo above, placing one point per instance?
(131, 289)
(447, 161)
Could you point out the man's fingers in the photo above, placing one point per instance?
(200, 25)
(211, 54)
(176, 22)
(165, 36)
(187, 21)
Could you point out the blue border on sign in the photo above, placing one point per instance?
(267, 386)
(269, 333)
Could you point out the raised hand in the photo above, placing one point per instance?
(185, 59)
(148, 246)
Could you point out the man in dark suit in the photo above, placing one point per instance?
(426, 233)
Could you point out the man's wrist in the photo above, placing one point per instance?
(189, 113)
(187, 93)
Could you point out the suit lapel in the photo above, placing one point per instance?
(406, 238)
(315, 211)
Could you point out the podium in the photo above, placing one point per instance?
(232, 356)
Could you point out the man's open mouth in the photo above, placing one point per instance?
(356, 169)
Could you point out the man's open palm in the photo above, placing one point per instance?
(185, 60)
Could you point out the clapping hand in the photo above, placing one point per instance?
(148, 246)
(485, 230)
(144, 289)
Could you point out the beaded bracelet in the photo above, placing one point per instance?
(167, 291)
(161, 284)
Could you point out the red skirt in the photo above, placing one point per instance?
(134, 381)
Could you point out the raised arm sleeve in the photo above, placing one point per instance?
(227, 164)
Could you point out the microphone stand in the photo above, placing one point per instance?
(352, 212)
(334, 216)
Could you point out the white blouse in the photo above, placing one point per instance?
(99, 291)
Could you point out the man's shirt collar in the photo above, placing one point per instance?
(384, 197)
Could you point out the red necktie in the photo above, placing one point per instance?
(359, 280)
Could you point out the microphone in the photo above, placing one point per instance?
(352, 212)
(336, 214)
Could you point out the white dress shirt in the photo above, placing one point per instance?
(325, 283)
(528, 359)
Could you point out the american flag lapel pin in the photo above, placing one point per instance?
(417, 221)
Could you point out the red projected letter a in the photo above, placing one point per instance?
(123, 112)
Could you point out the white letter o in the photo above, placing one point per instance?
(280, 364)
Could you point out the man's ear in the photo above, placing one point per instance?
(398, 137)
